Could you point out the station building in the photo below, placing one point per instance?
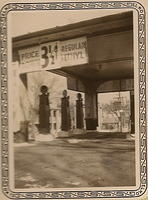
(91, 57)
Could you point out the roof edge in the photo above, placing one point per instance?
(85, 23)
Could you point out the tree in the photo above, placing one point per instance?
(119, 110)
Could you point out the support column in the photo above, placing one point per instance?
(91, 113)
(132, 113)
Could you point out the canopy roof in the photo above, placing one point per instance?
(110, 46)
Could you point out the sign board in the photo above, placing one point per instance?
(74, 52)
(29, 59)
(53, 55)
(43, 57)
(50, 55)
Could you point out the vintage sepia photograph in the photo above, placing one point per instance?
(75, 125)
(74, 99)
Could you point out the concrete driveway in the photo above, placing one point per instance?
(73, 163)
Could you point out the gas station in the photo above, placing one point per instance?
(95, 56)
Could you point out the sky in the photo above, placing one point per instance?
(23, 22)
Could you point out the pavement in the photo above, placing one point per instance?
(75, 162)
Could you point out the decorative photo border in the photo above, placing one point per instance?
(142, 100)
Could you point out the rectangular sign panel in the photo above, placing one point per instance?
(50, 55)
(74, 52)
(29, 59)
(43, 57)
(53, 55)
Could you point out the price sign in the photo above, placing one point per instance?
(49, 53)
(53, 55)
(74, 52)
(29, 59)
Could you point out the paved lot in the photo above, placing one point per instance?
(75, 163)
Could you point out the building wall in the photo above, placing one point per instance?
(15, 100)
(55, 120)
(26, 98)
